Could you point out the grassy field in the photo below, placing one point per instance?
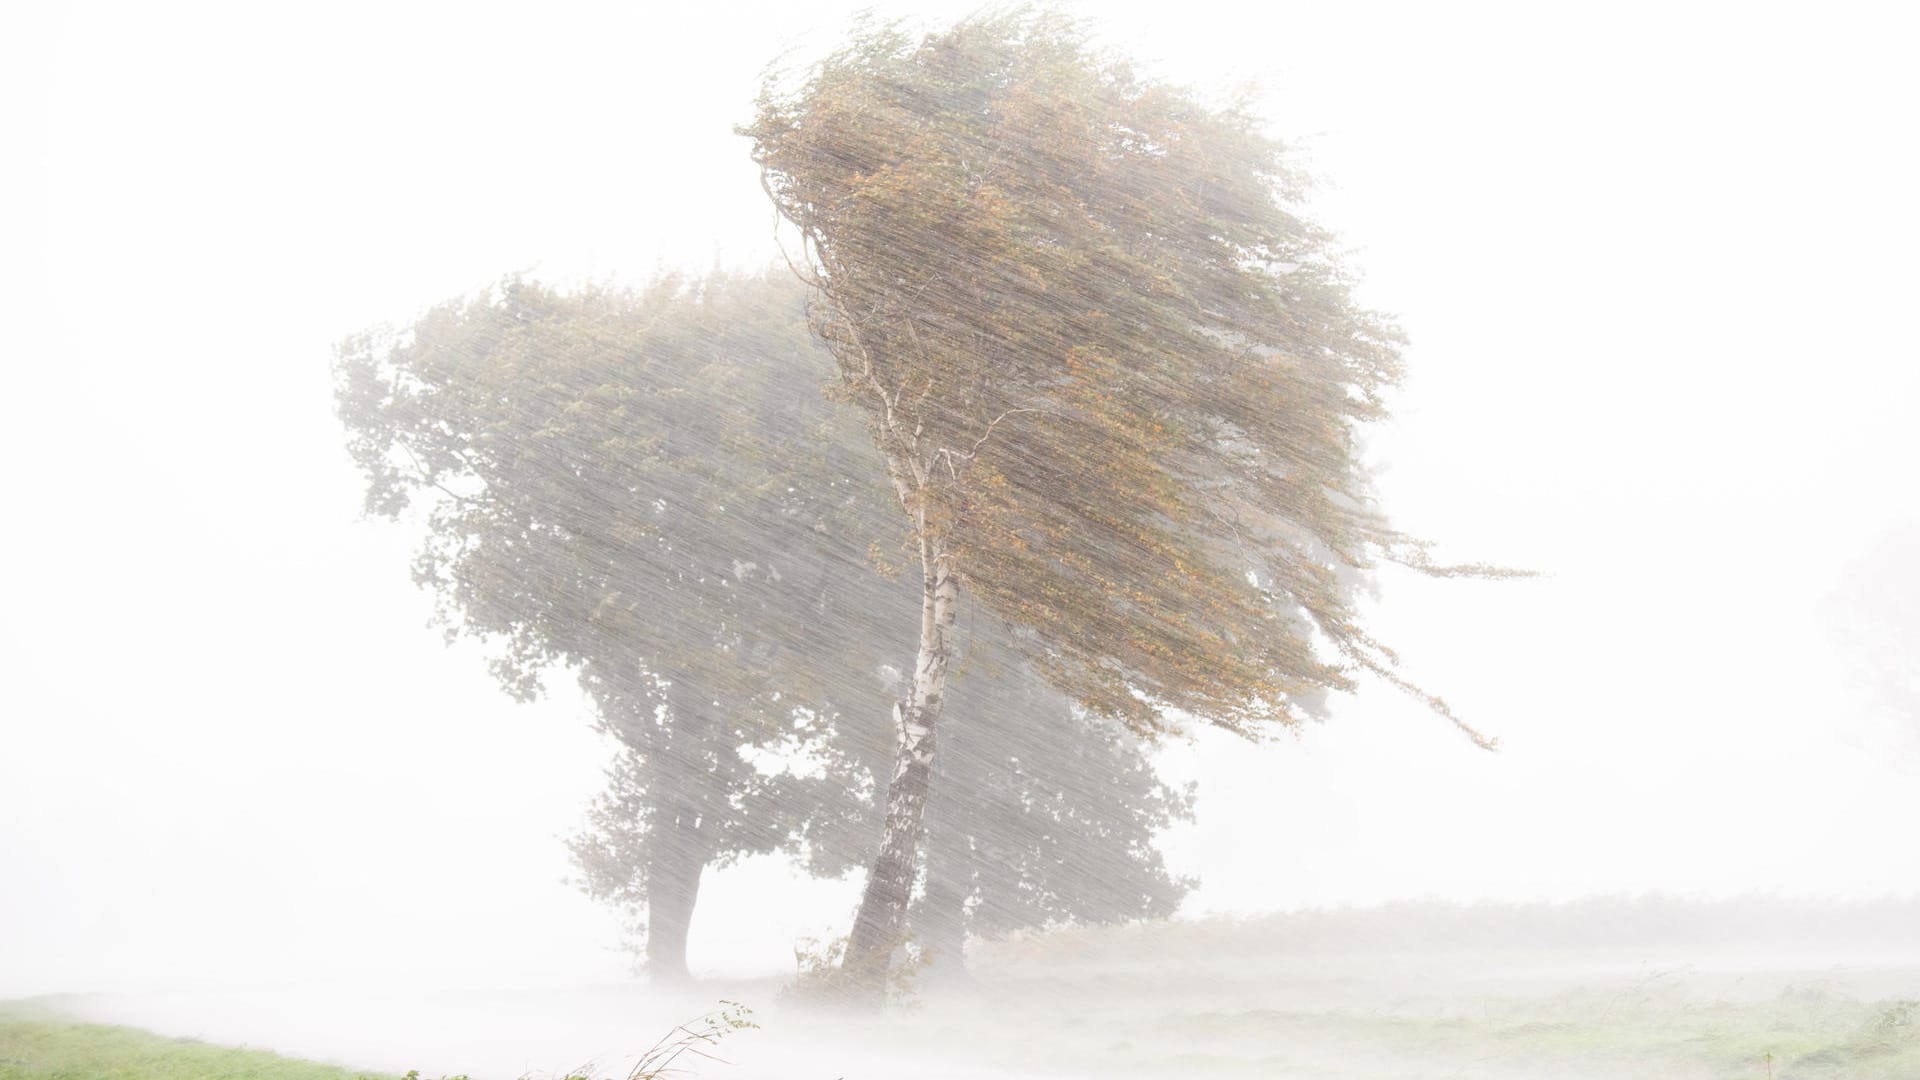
(1586, 1034)
(1806, 1034)
(1649, 990)
(40, 1039)
(38, 1045)
(1644, 990)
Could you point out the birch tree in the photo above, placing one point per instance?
(1114, 374)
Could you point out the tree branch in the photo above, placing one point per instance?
(427, 477)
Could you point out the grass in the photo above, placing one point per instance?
(1605, 988)
(1601, 990)
(37, 1044)
(43, 1047)
(1798, 1037)
(1803, 1034)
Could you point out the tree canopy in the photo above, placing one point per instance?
(1115, 374)
(1118, 371)
(583, 517)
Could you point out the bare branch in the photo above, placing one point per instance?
(426, 476)
(995, 422)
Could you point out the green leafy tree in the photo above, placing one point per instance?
(583, 516)
(1114, 375)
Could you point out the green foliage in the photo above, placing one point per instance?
(616, 483)
(49, 1048)
(53, 1049)
(607, 474)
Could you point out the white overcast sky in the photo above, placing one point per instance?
(1658, 269)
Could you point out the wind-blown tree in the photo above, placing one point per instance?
(583, 516)
(647, 488)
(1114, 375)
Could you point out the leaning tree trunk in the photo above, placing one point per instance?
(880, 926)
(937, 921)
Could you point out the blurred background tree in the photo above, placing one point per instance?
(1873, 616)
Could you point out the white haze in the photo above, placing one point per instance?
(1657, 268)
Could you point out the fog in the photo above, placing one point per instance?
(1652, 266)
(1602, 988)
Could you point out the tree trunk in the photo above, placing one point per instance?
(880, 926)
(673, 885)
(679, 843)
(938, 918)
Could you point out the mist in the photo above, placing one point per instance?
(265, 779)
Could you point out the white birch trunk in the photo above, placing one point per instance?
(880, 926)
